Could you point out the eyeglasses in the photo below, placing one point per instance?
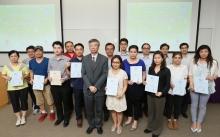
(115, 62)
(146, 48)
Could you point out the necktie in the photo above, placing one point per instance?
(93, 61)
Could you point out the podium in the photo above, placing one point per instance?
(3, 92)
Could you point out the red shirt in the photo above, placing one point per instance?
(69, 56)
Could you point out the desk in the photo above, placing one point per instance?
(3, 92)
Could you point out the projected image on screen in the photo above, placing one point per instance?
(23, 25)
(157, 22)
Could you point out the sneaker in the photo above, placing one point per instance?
(23, 121)
(18, 122)
(175, 125)
(170, 125)
(35, 111)
(52, 116)
(43, 116)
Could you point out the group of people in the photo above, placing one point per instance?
(89, 90)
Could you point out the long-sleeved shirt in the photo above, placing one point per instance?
(164, 81)
(58, 65)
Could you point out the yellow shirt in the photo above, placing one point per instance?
(6, 72)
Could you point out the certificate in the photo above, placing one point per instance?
(179, 87)
(136, 73)
(76, 70)
(200, 84)
(152, 83)
(112, 86)
(56, 77)
(38, 82)
(16, 78)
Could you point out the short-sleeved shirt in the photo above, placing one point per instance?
(124, 56)
(180, 72)
(76, 82)
(6, 72)
(39, 68)
(58, 65)
(126, 66)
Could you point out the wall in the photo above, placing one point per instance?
(84, 19)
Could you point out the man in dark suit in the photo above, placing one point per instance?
(94, 73)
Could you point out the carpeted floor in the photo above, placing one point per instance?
(33, 128)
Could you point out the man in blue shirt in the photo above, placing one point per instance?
(77, 84)
(38, 66)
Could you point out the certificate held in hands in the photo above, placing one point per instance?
(136, 73)
(38, 82)
(56, 76)
(112, 86)
(152, 83)
(76, 70)
(200, 85)
(179, 87)
(16, 78)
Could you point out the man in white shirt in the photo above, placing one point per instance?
(185, 61)
(164, 48)
(147, 58)
(123, 49)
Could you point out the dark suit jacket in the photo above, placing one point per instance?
(94, 76)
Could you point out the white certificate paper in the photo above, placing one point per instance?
(152, 83)
(16, 78)
(136, 73)
(200, 84)
(112, 86)
(179, 87)
(76, 70)
(38, 82)
(56, 76)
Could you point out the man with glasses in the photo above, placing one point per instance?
(123, 49)
(147, 58)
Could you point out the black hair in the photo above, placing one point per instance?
(163, 45)
(209, 58)
(177, 53)
(124, 39)
(68, 42)
(145, 44)
(133, 47)
(57, 43)
(163, 63)
(119, 58)
(182, 44)
(107, 44)
(79, 44)
(12, 52)
(30, 47)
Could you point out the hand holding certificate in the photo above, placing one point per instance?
(179, 87)
(76, 70)
(38, 82)
(200, 84)
(16, 78)
(152, 83)
(136, 74)
(112, 86)
(56, 77)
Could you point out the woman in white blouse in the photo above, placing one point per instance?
(178, 72)
(204, 66)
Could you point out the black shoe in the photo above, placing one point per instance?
(65, 123)
(147, 131)
(106, 118)
(184, 115)
(155, 135)
(89, 130)
(58, 122)
(99, 130)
